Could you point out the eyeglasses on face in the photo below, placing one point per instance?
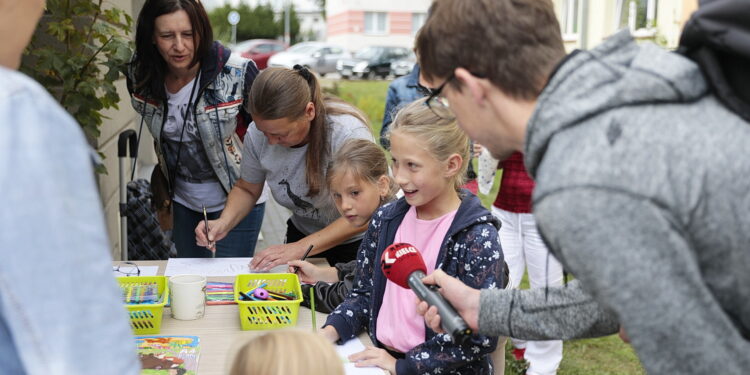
(438, 104)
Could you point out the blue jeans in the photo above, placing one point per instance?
(239, 242)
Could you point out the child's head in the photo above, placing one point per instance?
(287, 352)
(358, 180)
(429, 153)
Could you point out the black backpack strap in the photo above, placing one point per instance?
(717, 38)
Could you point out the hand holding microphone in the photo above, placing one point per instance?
(402, 264)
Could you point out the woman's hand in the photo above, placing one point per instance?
(217, 230)
(276, 255)
(310, 273)
(373, 356)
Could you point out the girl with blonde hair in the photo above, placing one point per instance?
(287, 352)
(452, 231)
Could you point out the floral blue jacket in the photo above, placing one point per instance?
(471, 252)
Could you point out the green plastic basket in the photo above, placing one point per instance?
(256, 315)
(145, 319)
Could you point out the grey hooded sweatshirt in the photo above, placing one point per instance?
(643, 193)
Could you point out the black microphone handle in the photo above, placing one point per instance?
(451, 322)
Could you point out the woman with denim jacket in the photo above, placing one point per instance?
(189, 91)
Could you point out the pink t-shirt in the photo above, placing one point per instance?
(399, 326)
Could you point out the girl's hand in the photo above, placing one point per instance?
(476, 150)
(310, 273)
(329, 333)
(624, 336)
(373, 356)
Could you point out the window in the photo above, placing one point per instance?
(417, 20)
(375, 22)
(399, 53)
(570, 18)
(636, 14)
(263, 48)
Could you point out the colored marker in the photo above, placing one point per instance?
(312, 306)
(304, 257)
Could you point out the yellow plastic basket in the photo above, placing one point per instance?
(255, 315)
(145, 319)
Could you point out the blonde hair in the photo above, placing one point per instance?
(284, 93)
(441, 135)
(287, 352)
(365, 160)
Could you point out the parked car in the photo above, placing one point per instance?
(404, 66)
(316, 56)
(259, 50)
(371, 61)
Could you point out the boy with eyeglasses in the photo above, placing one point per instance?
(639, 184)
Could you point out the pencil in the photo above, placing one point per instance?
(312, 306)
(304, 257)
(205, 222)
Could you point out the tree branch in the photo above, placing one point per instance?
(87, 40)
(79, 79)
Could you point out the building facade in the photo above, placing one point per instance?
(355, 24)
(585, 23)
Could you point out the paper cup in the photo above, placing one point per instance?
(187, 296)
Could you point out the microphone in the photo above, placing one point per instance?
(402, 264)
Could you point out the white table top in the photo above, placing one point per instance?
(219, 330)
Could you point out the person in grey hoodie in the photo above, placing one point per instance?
(641, 184)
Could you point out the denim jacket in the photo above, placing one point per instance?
(471, 252)
(401, 91)
(225, 79)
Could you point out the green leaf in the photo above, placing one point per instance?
(78, 55)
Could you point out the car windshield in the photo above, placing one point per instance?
(244, 45)
(368, 53)
(303, 48)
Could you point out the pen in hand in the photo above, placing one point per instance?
(205, 222)
(304, 257)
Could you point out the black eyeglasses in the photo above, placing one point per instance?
(127, 269)
(437, 104)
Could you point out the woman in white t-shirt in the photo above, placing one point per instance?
(189, 91)
(288, 146)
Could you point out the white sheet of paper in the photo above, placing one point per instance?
(145, 271)
(350, 347)
(213, 267)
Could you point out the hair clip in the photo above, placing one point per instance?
(304, 72)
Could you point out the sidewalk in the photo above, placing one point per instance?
(274, 225)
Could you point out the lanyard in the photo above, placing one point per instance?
(184, 125)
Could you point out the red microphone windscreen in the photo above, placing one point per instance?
(399, 260)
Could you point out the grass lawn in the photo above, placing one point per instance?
(600, 356)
